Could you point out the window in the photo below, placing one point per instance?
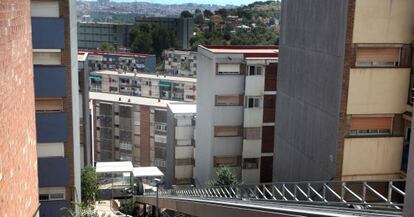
(251, 163)
(52, 193)
(378, 57)
(252, 133)
(229, 100)
(161, 127)
(49, 104)
(255, 70)
(370, 126)
(253, 102)
(229, 161)
(227, 131)
(228, 69)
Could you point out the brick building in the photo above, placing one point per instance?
(18, 161)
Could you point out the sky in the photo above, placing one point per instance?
(219, 2)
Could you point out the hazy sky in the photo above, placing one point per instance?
(219, 2)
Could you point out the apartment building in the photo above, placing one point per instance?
(180, 62)
(56, 103)
(120, 61)
(91, 35)
(144, 85)
(129, 128)
(343, 80)
(180, 143)
(235, 111)
(18, 167)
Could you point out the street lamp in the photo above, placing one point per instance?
(157, 184)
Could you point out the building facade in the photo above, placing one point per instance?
(144, 85)
(235, 111)
(342, 89)
(183, 27)
(129, 128)
(57, 102)
(180, 144)
(120, 61)
(18, 168)
(180, 63)
(93, 35)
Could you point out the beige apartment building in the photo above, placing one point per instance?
(343, 90)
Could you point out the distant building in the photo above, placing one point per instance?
(93, 35)
(130, 115)
(145, 85)
(121, 61)
(19, 193)
(180, 62)
(183, 27)
(129, 128)
(180, 143)
(56, 90)
(343, 106)
(236, 94)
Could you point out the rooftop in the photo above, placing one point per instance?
(182, 108)
(136, 100)
(145, 75)
(243, 49)
(99, 52)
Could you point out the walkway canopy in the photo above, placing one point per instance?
(114, 167)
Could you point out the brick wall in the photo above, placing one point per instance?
(349, 61)
(18, 158)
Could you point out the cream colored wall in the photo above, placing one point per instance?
(370, 156)
(378, 90)
(384, 21)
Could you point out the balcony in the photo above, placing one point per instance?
(48, 33)
(50, 81)
(51, 127)
(53, 172)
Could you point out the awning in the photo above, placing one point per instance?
(116, 166)
(95, 77)
(147, 172)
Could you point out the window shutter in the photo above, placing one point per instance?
(367, 123)
(378, 54)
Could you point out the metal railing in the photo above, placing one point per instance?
(388, 194)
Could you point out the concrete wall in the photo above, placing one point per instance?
(311, 62)
(372, 158)
(18, 161)
(378, 90)
(384, 21)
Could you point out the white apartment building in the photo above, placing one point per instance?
(180, 143)
(235, 111)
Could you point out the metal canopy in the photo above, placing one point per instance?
(111, 167)
(147, 172)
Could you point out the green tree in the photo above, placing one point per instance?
(142, 43)
(84, 211)
(186, 14)
(89, 186)
(107, 47)
(207, 13)
(225, 177)
(222, 12)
